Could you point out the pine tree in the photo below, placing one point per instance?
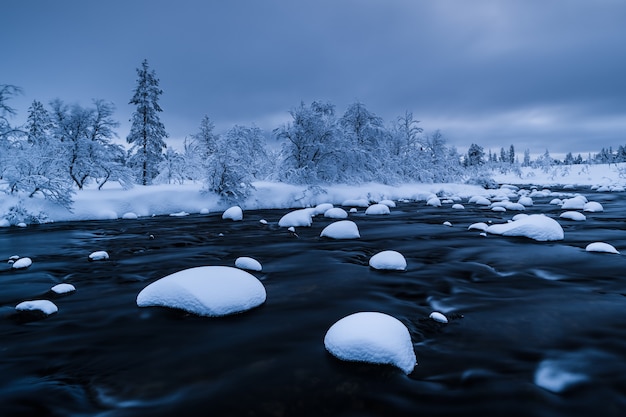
(147, 133)
(511, 154)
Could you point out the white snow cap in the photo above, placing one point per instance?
(525, 201)
(296, 218)
(372, 337)
(536, 226)
(434, 201)
(234, 213)
(336, 213)
(479, 200)
(458, 206)
(179, 214)
(376, 209)
(574, 203)
(99, 256)
(356, 203)
(45, 306)
(573, 215)
(322, 208)
(601, 247)
(389, 260)
(438, 317)
(343, 229)
(22, 263)
(389, 203)
(447, 223)
(204, 210)
(4, 223)
(248, 263)
(130, 216)
(205, 291)
(478, 226)
(63, 288)
(593, 207)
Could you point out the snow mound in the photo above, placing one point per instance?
(372, 337)
(248, 263)
(204, 210)
(45, 306)
(536, 226)
(388, 203)
(234, 213)
(498, 209)
(343, 229)
(519, 216)
(63, 288)
(22, 263)
(336, 213)
(355, 203)
(458, 206)
(573, 215)
(99, 256)
(296, 218)
(593, 207)
(447, 223)
(574, 203)
(388, 260)
(478, 226)
(206, 291)
(433, 201)
(130, 216)
(438, 317)
(377, 209)
(179, 214)
(556, 201)
(525, 201)
(601, 247)
(4, 223)
(322, 208)
(480, 200)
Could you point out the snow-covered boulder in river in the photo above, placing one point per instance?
(573, 215)
(601, 247)
(234, 213)
(98, 256)
(536, 226)
(297, 218)
(130, 216)
(22, 263)
(593, 207)
(63, 288)
(377, 209)
(388, 260)
(206, 291)
(574, 203)
(250, 264)
(322, 208)
(343, 229)
(47, 307)
(372, 337)
(336, 213)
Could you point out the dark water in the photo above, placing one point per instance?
(514, 304)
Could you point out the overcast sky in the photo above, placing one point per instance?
(533, 73)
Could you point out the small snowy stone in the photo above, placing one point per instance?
(263, 221)
(593, 207)
(481, 201)
(372, 337)
(574, 203)
(296, 218)
(434, 202)
(21, 224)
(438, 317)
(322, 208)
(356, 203)
(45, 306)
(498, 209)
(556, 201)
(129, 216)
(342, 229)
(248, 263)
(22, 263)
(458, 206)
(536, 226)
(446, 223)
(377, 209)
(336, 213)
(353, 210)
(573, 215)
(601, 247)
(483, 234)
(525, 201)
(291, 229)
(205, 291)
(99, 256)
(388, 260)
(204, 211)
(388, 203)
(478, 226)
(234, 213)
(179, 214)
(63, 288)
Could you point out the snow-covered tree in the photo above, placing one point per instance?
(147, 133)
(172, 168)
(526, 162)
(407, 151)
(475, 155)
(511, 154)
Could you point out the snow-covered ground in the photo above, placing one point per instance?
(113, 202)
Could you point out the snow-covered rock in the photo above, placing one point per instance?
(205, 291)
(526, 201)
(130, 216)
(204, 210)
(372, 337)
(498, 209)
(45, 306)
(478, 226)
(336, 213)
(377, 209)
(179, 214)
(250, 264)
(234, 213)
(447, 223)
(388, 260)
(353, 210)
(601, 247)
(434, 201)
(388, 203)
(574, 203)
(519, 216)
(63, 288)
(438, 317)
(573, 215)
(4, 223)
(263, 221)
(556, 201)
(98, 256)
(593, 207)
(322, 208)
(356, 203)
(342, 229)
(536, 226)
(297, 218)
(22, 263)
(458, 206)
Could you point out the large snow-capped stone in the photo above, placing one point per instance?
(234, 213)
(250, 264)
(377, 209)
(297, 218)
(205, 291)
(574, 203)
(525, 201)
(336, 213)
(388, 203)
(433, 201)
(45, 306)
(601, 247)
(573, 215)
(22, 263)
(389, 260)
(98, 256)
(372, 337)
(593, 207)
(343, 229)
(536, 226)
(322, 208)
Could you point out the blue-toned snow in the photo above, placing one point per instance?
(536, 226)
(342, 229)
(389, 260)
(45, 306)
(234, 213)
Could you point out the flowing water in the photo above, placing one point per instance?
(536, 328)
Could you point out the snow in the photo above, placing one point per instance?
(388, 260)
(99, 256)
(601, 247)
(458, 206)
(573, 215)
(447, 223)
(525, 201)
(556, 201)
(389, 203)
(480, 200)
(355, 203)
(336, 213)
(372, 337)
(434, 201)
(45, 306)
(574, 203)
(478, 226)
(377, 209)
(438, 317)
(322, 208)
(342, 229)
(593, 207)
(250, 264)
(22, 263)
(234, 213)
(296, 218)
(498, 209)
(63, 288)
(205, 291)
(536, 226)
(179, 214)
(130, 216)
(204, 210)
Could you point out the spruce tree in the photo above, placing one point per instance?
(147, 133)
